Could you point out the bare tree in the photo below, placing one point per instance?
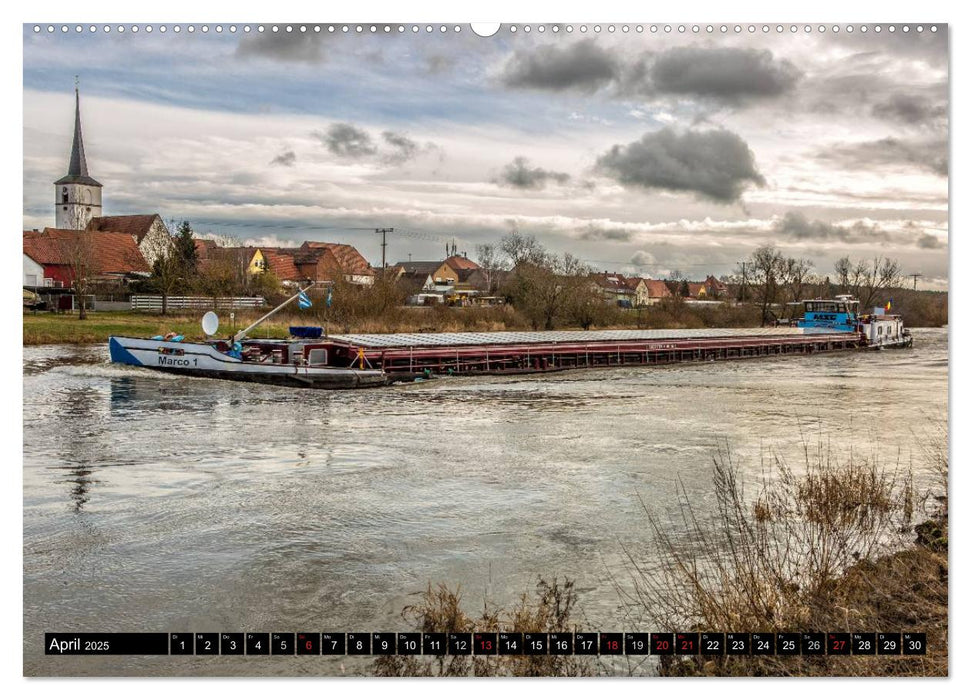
(843, 269)
(491, 261)
(521, 248)
(795, 275)
(865, 279)
(77, 250)
(764, 270)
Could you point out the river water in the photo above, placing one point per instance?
(164, 504)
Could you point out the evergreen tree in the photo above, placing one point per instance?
(185, 249)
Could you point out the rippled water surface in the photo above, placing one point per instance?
(158, 503)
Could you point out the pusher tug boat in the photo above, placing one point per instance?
(878, 329)
(301, 360)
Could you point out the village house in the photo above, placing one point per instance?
(656, 290)
(333, 260)
(455, 280)
(312, 261)
(104, 257)
(715, 289)
(148, 231)
(33, 272)
(615, 288)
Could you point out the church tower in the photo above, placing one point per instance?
(77, 195)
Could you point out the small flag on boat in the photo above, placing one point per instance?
(889, 304)
(330, 296)
(303, 301)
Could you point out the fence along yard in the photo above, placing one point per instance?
(153, 302)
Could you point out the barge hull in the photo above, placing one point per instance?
(437, 357)
(200, 360)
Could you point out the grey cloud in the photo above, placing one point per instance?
(642, 258)
(287, 158)
(437, 64)
(797, 225)
(929, 242)
(729, 74)
(726, 74)
(716, 165)
(403, 147)
(298, 47)
(346, 140)
(582, 66)
(925, 154)
(595, 233)
(909, 109)
(520, 175)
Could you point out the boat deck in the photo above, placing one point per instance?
(543, 351)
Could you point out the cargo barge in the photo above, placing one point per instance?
(311, 358)
(550, 351)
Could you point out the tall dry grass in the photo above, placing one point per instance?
(829, 547)
(551, 607)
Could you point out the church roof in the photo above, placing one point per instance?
(77, 171)
(137, 225)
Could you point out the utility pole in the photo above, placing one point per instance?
(384, 244)
(744, 279)
(915, 275)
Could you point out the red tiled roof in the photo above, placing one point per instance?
(110, 251)
(350, 261)
(657, 289)
(460, 262)
(137, 225)
(204, 246)
(281, 264)
(610, 281)
(696, 288)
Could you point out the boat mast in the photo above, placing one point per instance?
(242, 334)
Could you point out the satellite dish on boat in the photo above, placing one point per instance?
(210, 323)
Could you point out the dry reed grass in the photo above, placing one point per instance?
(828, 548)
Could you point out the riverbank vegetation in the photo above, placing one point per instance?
(840, 543)
(551, 607)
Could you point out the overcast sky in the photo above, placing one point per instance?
(638, 152)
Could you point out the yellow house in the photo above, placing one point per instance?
(257, 263)
(445, 275)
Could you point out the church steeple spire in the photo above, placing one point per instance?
(77, 195)
(77, 171)
(79, 166)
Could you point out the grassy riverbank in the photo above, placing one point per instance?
(49, 328)
(55, 328)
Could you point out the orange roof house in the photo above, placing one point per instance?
(148, 231)
(64, 252)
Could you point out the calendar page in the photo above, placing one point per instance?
(589, 349)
